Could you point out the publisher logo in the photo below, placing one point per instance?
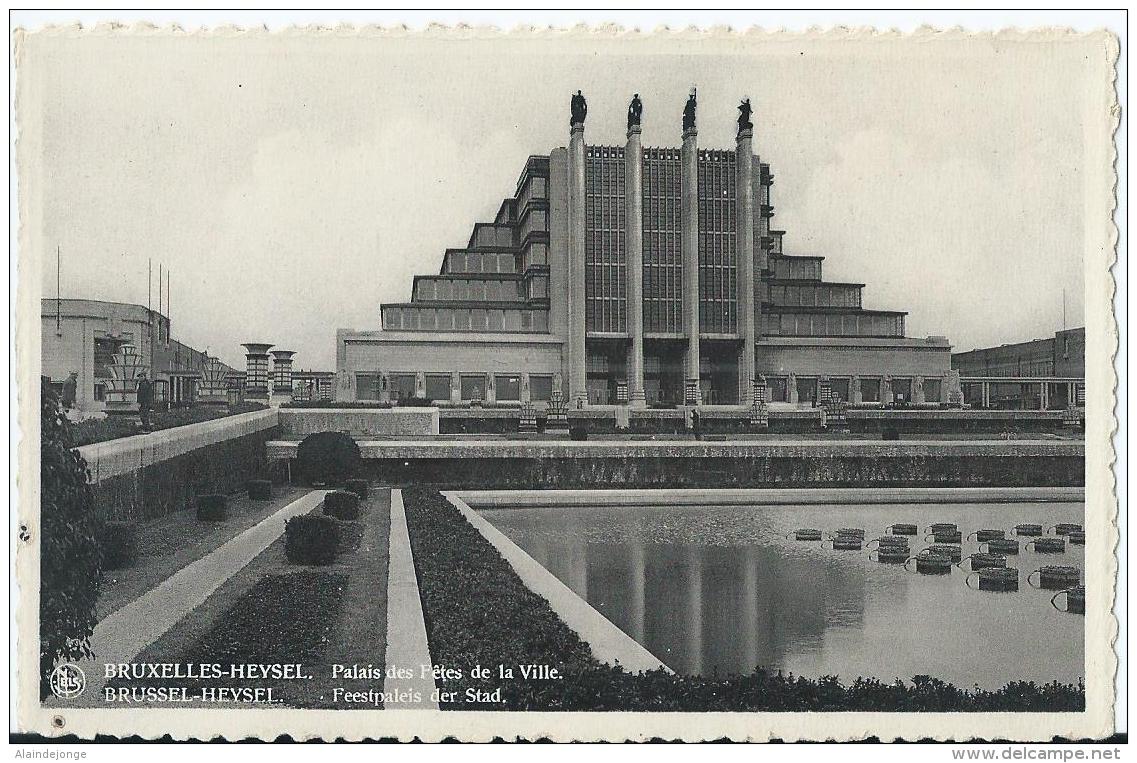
(68, 681)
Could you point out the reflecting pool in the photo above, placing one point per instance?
(721, 589)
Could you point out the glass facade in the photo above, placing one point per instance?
(438, 387)
(852, 324)
(605, 277)
(662, 256)
(718, 256)
(796, 268)
(507, 387)
(814, 295)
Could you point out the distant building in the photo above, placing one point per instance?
(1041, 373)
(82, 336)
(631, 275)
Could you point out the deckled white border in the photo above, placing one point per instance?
(1102, 538)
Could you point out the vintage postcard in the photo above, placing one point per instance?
(589, 384)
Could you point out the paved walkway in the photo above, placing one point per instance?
(123, 634)
(407, 647)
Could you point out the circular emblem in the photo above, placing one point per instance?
(68, 681)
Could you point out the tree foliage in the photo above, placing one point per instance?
(70, 557)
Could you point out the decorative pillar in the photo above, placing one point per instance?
(1043, 396)
(526, 395)
(281, 376)
(744, 192)
(213, 388)
(855, 390)
(636, 600)
(420, 384)
(578, 387)
(122, 387)
(791, 388)
(886, 389)
(985, 389)
(491, 390)
(689, 244)
(256, 370)
(633, 249)
(455, 387)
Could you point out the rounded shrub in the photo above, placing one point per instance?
(260, 490)
(327, 458)
(311, 539)
(212, 507)
(359, 487)
(578, 432)
(119, 542)
(342, 505)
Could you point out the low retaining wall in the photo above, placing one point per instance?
(360, 422)
(800, 421)
(153, 474)
(694, 464)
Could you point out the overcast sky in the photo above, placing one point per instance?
(293, 184)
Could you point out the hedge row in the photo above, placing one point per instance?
(116, 426)
(479, 612)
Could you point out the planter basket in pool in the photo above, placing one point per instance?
(212, 507)
(1065, 528)
(903, 529)
(1002, 546)
(807, 533)
(854, 532)
(997, 579)
(1075, 600)
(260, 490)
(931, 564)
(890, 554)
(1056, 577)
(987, 561)
(1048, 545)
(985, 535)
(952, 552)
(1028, 529)
(848, 543)
(1077, 539)
(947, 536)
(942, 527)
(891, 541)
(342, 505)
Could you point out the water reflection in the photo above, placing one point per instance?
(718, 590)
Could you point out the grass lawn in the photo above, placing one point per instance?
(273, 611)
(168, 543)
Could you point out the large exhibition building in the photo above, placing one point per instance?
(629, 275)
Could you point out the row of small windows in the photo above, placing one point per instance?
(829, 324)
(481, 262)
(440, 387)
(808, 389)
(413, 318)
(796, 268)
(474, 289)
(815, 295)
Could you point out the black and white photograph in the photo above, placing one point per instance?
(590, 384)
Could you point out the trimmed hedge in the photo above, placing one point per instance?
(578, 432)
(212, 507)
(312, 539)
(342, 505)
(115, 426)
(479, 612)
(359, 487)
(119, 543)
(328, 458)
(260, 490)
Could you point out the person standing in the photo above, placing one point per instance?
(145, 399)
(69, 388)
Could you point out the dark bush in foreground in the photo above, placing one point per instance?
(70, 558)
(359, 487)
(578, 432)
(478, 611)
(890, 433)
(341, 505)
(119, 543)
(327, 458)
(311, 539)
(212, 507)
(260, 490)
